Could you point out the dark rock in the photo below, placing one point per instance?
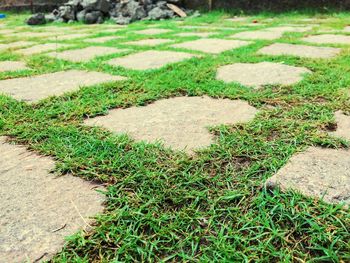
(36, 19)
(158, 13)
(66, 12)
(93, 17)
(96, 5)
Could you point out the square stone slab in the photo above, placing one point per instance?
(85, 54)
(260, 74)
(285, 29)
(151, 59)
(300, 51)
(238, 19)
(320, 173)
(69, 37)
(12, 66)
(181, 123)
(214, 46)
(343, 126)
(347, 29)
(14, 45)
(41, 48)
(38, 209)
(328, 39)
(35, 34)
(259, 34)
(153, 31)
(195, 34)
(52, 84)
(101, 39)
(149, 42)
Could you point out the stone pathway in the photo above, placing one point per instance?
(37, 209)
(328, 39)
(40, 87)
(153, 31)
(149, 42)
(195, 34)
(260, 34)
(14, 45)
(85, 54)
(213, 46)
(300, 51)
(41, 48)
(149, 59)
(12, 66)
(69, 37)
(101, 39)
(260, 74)
(317, 173)
(181, 123)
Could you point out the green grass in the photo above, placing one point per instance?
(211, 207)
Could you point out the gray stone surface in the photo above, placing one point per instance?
(41, 48)
(39, 87)
(317, 172)
(12, 66)
(300, 51)
(258, 34)
(69, 37)
(153, 31)
(213, 46)
(343, 125)
(181, 123)
(101, 39)
(38, 209)
(328, 39)
(260, 74)
(149, 59)
(85, 54)
(149, 42)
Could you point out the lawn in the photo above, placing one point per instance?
(212, 206)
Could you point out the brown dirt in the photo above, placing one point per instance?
(37, 209)
(181, 123)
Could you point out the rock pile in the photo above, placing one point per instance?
(121, 11)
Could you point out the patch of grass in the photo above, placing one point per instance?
(163, 205)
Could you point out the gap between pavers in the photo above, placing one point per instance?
(12, 66)
(328, 39)
(39, 209)
(153, 31)
(85, 54)
(39, 87)
(41, 48)
(260, 74)
(149, 42)
(213, 46)
(151, 59)
(300, 51)
(181, 122)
